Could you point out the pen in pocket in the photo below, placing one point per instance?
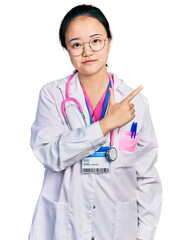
(133, 129)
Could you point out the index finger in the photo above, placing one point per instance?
(133, 94)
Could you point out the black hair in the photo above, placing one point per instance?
(82, 10)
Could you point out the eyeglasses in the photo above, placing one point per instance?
(96, 44)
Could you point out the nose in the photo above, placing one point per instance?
(87, 51)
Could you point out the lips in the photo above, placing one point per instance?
(89, 61)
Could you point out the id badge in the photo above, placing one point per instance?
(96, 163)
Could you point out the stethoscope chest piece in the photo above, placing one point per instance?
(111, 154)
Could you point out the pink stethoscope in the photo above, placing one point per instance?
(111, 154)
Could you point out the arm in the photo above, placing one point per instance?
(53, 144)
(148, 181)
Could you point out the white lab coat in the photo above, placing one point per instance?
(123, 204)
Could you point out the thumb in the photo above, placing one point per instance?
(111, 96)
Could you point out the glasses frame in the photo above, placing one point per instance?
(82, 45)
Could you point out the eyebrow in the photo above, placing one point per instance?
(94, 35)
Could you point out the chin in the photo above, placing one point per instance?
(92, 70)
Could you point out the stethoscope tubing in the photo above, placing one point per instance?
(70, 99)
(80, 107)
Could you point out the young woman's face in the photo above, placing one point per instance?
(83, 29)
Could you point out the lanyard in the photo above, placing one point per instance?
(111, 152)
(104, 105)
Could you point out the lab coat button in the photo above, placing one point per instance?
(94, 207)
(92, 238)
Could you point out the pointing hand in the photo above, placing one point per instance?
(120, 113)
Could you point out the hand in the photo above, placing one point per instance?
(119, 114)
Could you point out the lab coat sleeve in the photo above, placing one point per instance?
(148, 182)
(51, 141)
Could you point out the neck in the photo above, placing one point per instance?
(95, 81)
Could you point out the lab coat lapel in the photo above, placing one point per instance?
(120, 90)
(76, 91)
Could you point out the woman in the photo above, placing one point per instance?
(100, 182)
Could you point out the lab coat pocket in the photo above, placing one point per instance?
(126, 221)
(126, 148)
(51, 220)
(126, 143)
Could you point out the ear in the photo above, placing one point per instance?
(109, 44)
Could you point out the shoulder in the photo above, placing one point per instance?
(55, 84)
(55, 89)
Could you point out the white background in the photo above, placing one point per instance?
(146, 49)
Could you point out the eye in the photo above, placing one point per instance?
(96, 40)
(76, 45)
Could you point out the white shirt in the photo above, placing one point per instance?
(123, 204)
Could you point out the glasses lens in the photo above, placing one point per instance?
(75, 48)
(97, 44)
